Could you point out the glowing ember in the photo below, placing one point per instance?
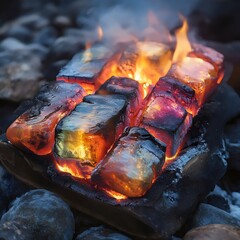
(34, 129)
(131, 165)
(89, 131)
(166, 120)
(198, 74)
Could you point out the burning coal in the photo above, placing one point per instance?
(115, 117)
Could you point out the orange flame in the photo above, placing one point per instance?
(183, 46)
(73, 169)
(100, 33)
(117, 196)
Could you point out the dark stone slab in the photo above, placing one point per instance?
(172, 198)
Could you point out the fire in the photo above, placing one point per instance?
(117, 196)
(74, 169)
(100, 33)
(183, 46)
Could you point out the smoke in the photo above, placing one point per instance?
(126, 21)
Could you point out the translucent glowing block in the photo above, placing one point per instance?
(167, 121)
(127, 87)
(132, 165)
(35, 129)
(198, 74)
(91, 128)
(209, 55)
(181, 92)
(85, 67)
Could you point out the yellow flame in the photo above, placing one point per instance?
(183, 46)
(113, 194)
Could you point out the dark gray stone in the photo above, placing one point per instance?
(38, 214)
(19, 74)
(62, 21)
(12, 44)
(19, 32)
(10, 188)
(232, 139)
(38, 49)
(46, 36)
(101, 233)
(208, 214)
(218, 201)
(14, 230)
(214, 232)
(65, 47)
(32, 21)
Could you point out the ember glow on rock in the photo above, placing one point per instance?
(35, 129)
(149, 87)
(132, 164)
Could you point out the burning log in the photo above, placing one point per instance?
(127, 87)
(34, 129)
(132, 165)
(166, 120)
(85, 67)
(89, 131)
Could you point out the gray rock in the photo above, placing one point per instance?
(232, 139)
(208, 214)
(32, 21)
(12, 44)
(19, 32)
(14, 230)
(101, 233)
(65, 47)
(38, 214)
(75, 32)
(214, 232)
(38, 49)
(218, 201)
(10, 188)
(46, 36)
(19, 74)
(62, 21)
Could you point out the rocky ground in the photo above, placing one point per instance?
(37, 38)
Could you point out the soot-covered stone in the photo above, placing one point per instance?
(91, 128)
(34, 129)
(38, 214)
(166, 120)
(84, 67)
(132, 165)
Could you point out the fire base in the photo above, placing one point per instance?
(171, 199)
